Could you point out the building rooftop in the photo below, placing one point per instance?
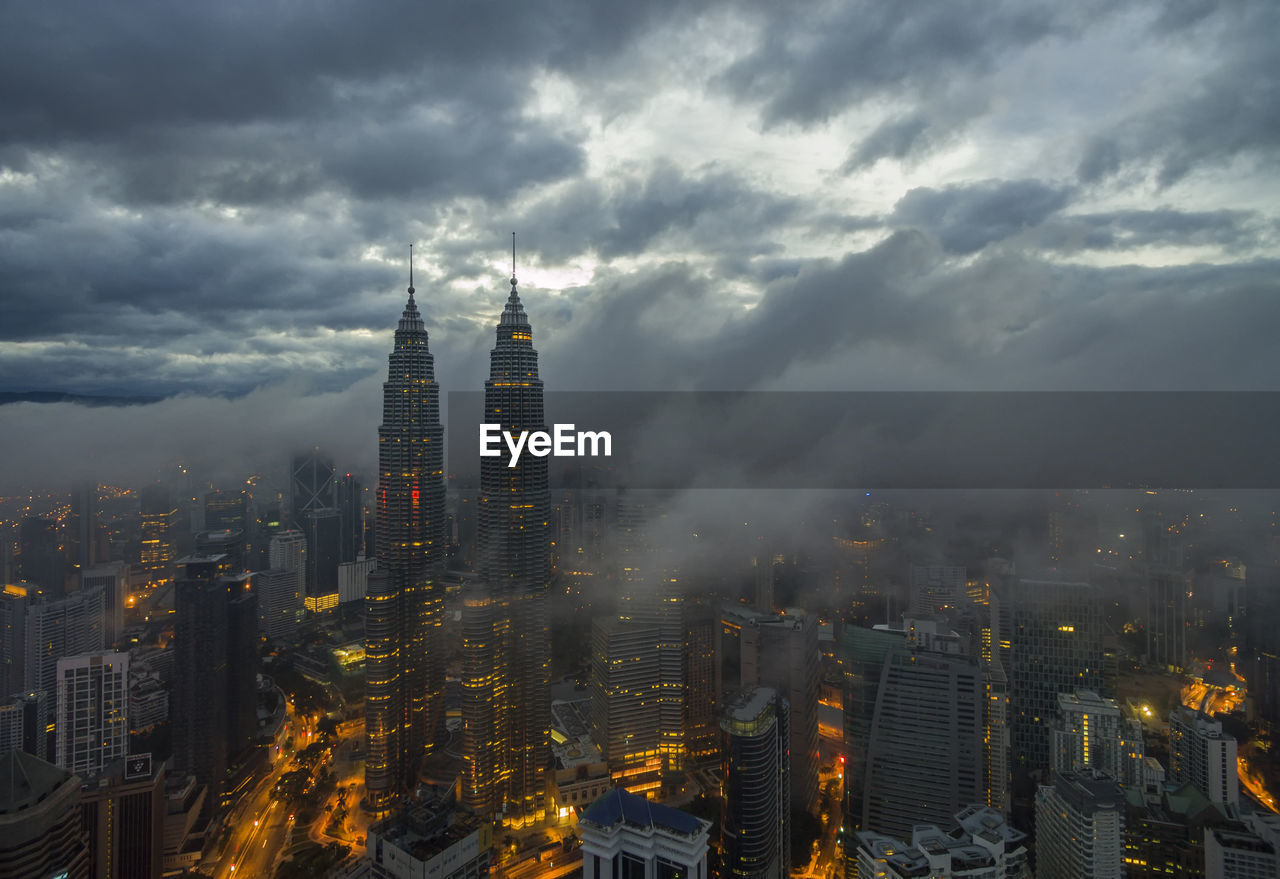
(620, 807)
(26, 780)
(748, 705)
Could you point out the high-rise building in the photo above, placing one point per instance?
(625, 835)
(25, 721)
(788, 660)
(351, 513)
(82, 528)
(937, 589)
(1167, 588)
(625, 672)
(288, 552)
(40, 561)
(1091, 732)
(404, 605)
(984, 846)
(1080, 827)
(122, 809)
(278, 603)
(159, 514)
(1201, 753)
(113, 579)
(226, 510)
(508, 725)
(93, 712)
(67, 627)
(433, 839)
(311, 485)
(324, 534)
(214, 692)
(925, 754)
(755, 830)
(1237, 853)
(40, 830)
(1055, 646)
(14, 602)
(701, 696)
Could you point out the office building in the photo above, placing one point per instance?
(1080, 827)
(122, 809)
(278, 603)
(701, 695)
(92, 726)
(350, 502)
(113, 579)
(1055, 636)
(40, 560)
(1167, 593)
(506, 633)
(159, 515)
(214, 691)
(1202, 754)
(25, 721)
(925, 752)
(1238, 854)
(937, 589)
(14, 601)
(430, 840)
(311, 485)
(625, 835)
(323, 529)
(40, 831)
(404, 665)
(755, 830)
(983, 846)
(64, 627)
(1091, 732)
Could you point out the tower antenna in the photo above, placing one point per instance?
(410, 269)
(513, 255)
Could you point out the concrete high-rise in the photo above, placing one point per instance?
(324, 553)
(67, 627)
(925, 753)
(1091, 732)
(40, 823)
(506, 706)
(92, 724)
(1080, 827)
(1201, 753)
(404, 604)
(623, 834)
(113, 579)
(755, 827)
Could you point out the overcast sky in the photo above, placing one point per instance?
(214, 200)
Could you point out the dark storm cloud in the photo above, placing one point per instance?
(1231, 230)
(1229, 112)
(966, 218)
(897, 138)
(809, 67)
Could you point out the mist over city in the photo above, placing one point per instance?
(935, 534)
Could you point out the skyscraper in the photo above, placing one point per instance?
(1201, 753)
(93, 706)
(1080, 827)
(214, 670)
(158, 515)
(755, 830)
(404, 668)
(506, 707)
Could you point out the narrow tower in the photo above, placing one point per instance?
(404, 603)
(506, 707)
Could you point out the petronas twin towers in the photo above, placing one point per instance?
(505, 635)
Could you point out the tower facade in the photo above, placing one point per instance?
(506, 708)
(404, 603)
(755, 829)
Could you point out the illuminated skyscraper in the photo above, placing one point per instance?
(158, 515)
(506, 708)
(405, 600)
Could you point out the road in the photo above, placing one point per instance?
(257, 830)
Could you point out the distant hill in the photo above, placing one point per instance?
(82, 399)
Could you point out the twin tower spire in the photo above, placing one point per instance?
(506, 651)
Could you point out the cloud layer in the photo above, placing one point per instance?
(212, 201)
